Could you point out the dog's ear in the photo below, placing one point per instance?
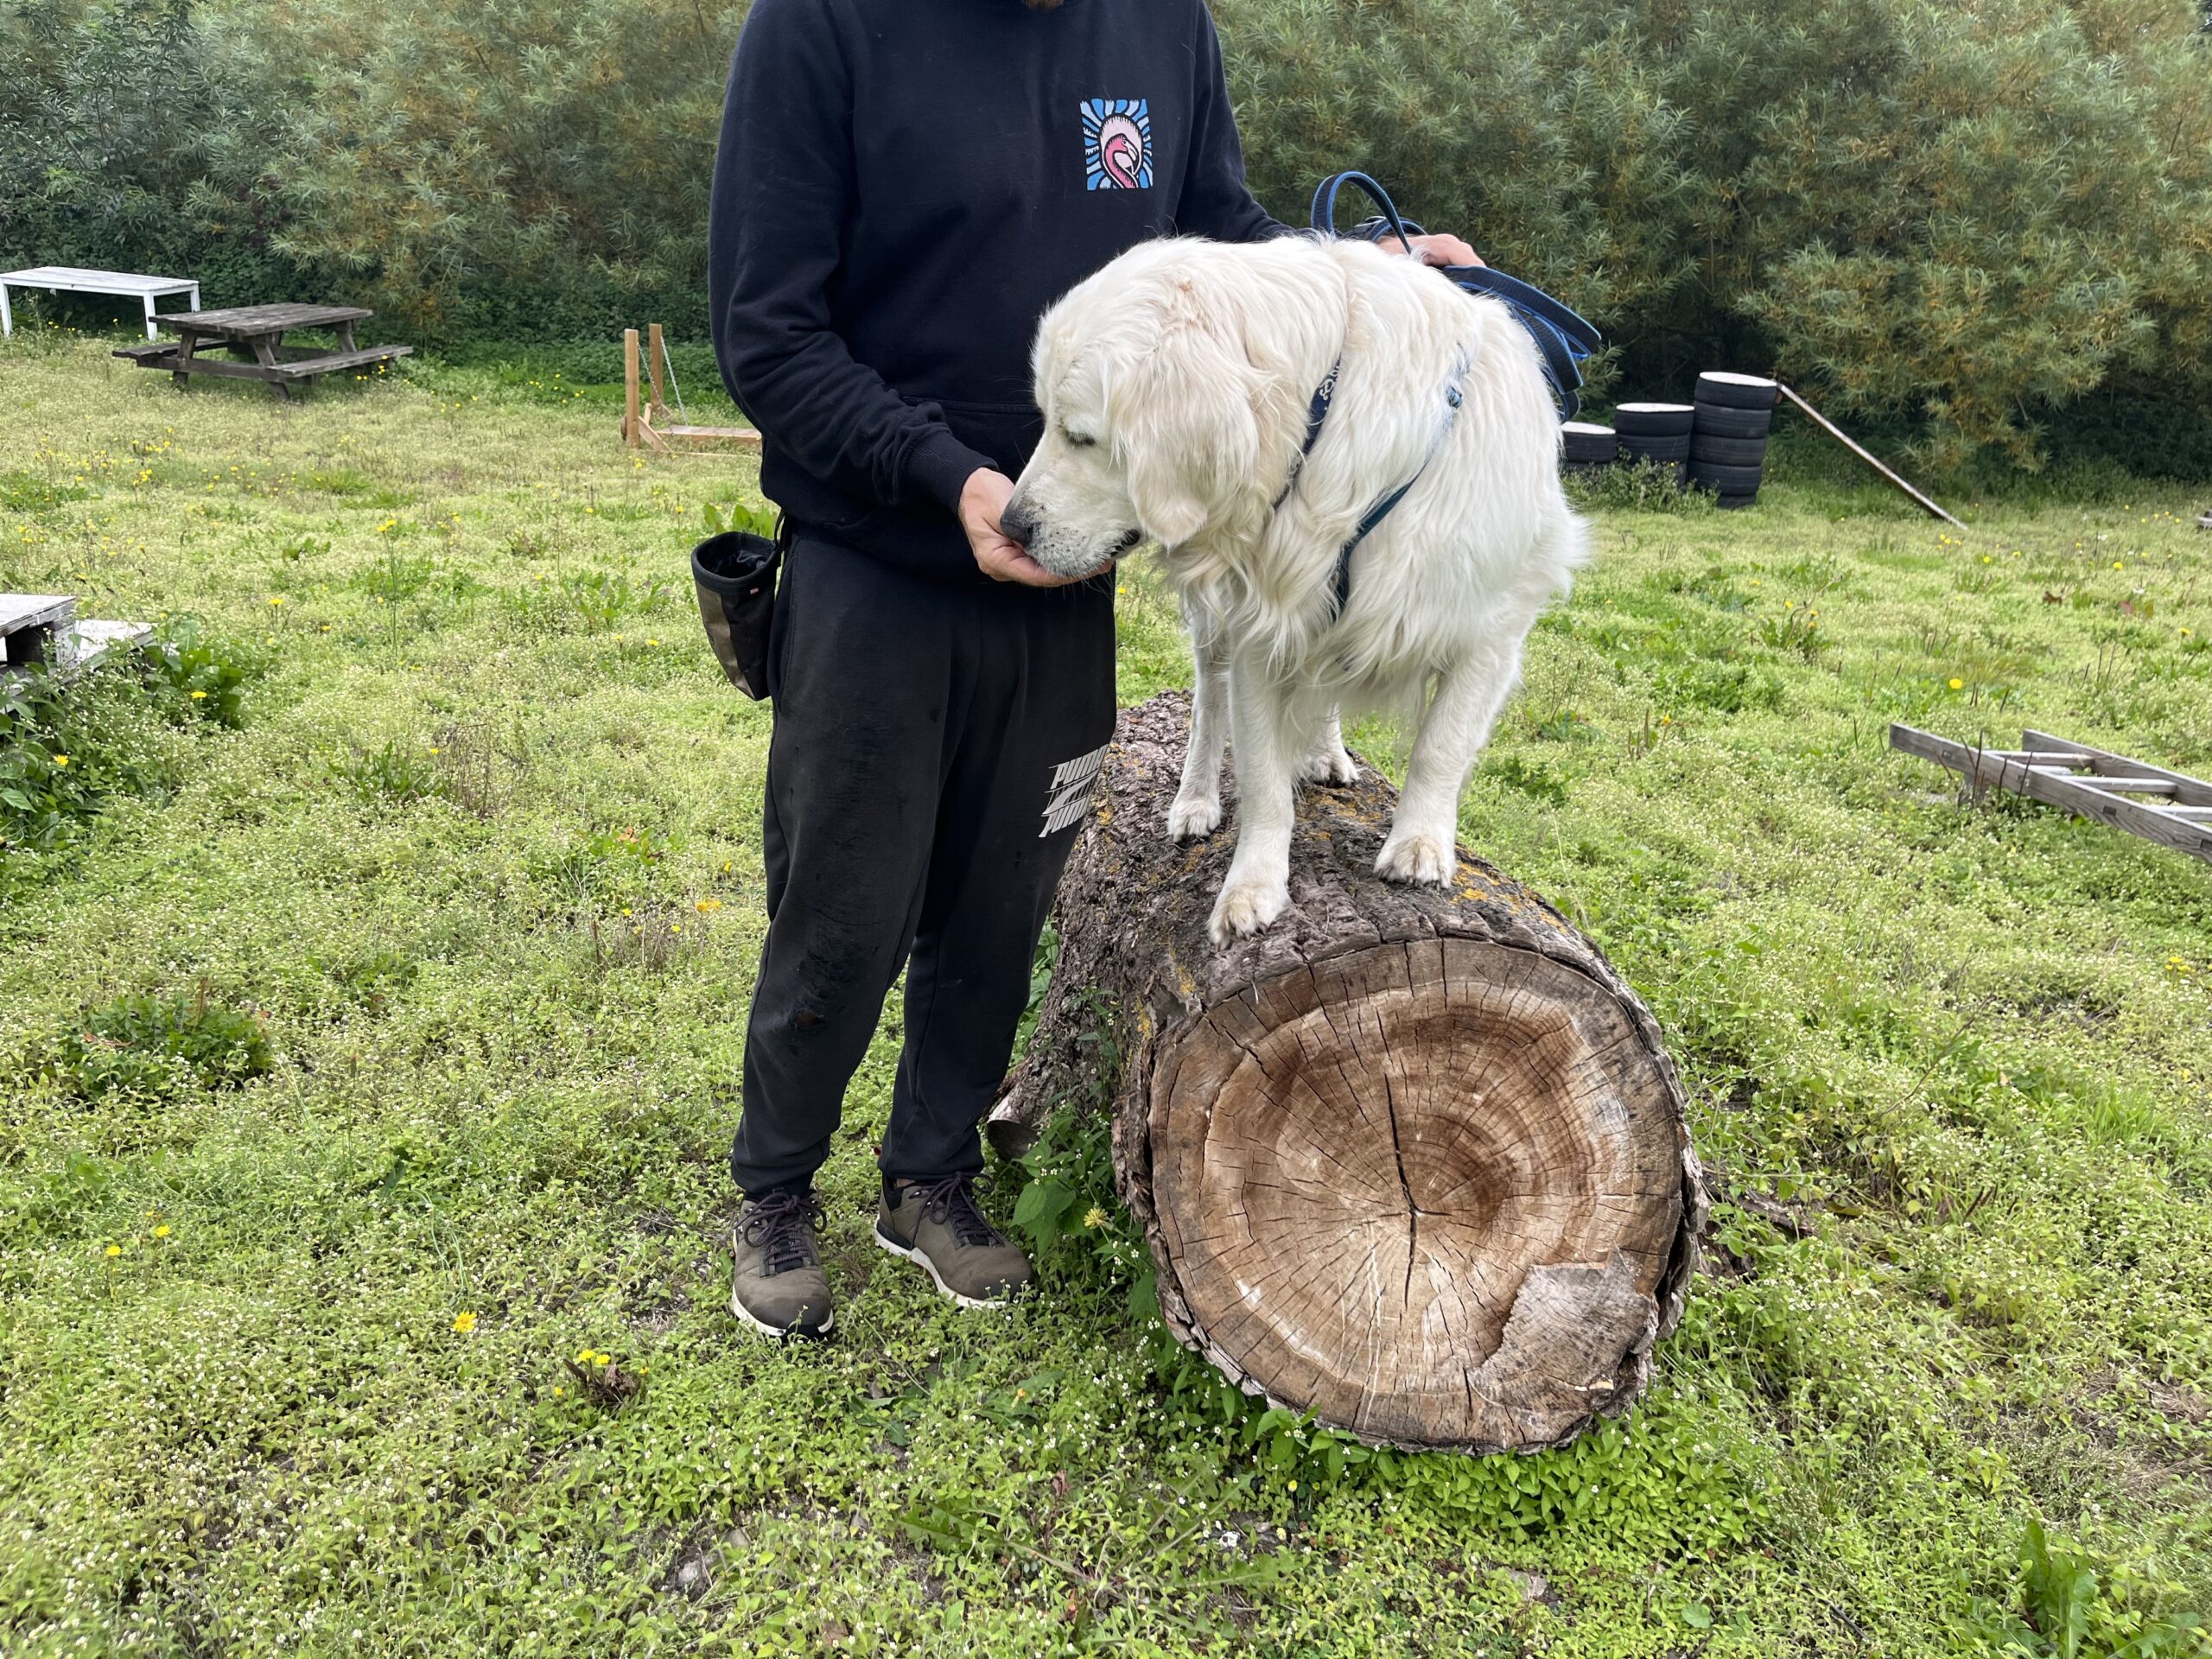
(1187, 432)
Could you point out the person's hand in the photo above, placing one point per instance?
(998, 555)
(1440, 251)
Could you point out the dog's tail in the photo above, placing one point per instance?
(1564, 540)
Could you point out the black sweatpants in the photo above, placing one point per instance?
(933, 757)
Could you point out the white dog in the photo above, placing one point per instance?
(1183, 388)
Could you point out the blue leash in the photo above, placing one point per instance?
(1562, 339)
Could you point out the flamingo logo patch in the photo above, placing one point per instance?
(1116, 143)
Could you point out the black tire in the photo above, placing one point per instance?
(1723, 422)
(1727, 480)
(1654, 448)
(1586, 441)
(1654, 419)
(1735, 390)
(1733, 503)
(1728, 451)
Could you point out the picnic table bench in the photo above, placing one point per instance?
(254, 336)
(74, 280)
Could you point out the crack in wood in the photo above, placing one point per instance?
(1413, 1209)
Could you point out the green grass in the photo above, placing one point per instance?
(368, 1063)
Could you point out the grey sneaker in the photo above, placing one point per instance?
(938, 1224)
(778, 1286)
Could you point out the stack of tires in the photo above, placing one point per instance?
(1728, 452)
(1589, 448)
(1656, 432)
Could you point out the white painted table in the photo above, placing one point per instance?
(56, 279)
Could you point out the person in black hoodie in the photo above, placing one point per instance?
(903, 186)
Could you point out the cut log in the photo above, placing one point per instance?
(1413, 1160)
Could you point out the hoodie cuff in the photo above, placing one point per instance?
(940, 466)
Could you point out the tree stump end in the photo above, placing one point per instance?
(1414, 1161)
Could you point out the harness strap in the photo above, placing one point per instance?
(1382, 510)
(1316, 412)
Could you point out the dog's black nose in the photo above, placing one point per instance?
(1019, 521)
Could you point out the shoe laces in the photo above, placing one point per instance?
(951, 1202)
(782, 1225)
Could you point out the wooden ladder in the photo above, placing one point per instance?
(2169, 808)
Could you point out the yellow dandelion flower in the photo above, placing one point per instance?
(114, 1249)
(464, 1323)
(676, 927)
(161, 1231)
(1958, 684)
(197, 696)
(61, 760)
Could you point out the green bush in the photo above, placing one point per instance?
(151, 1045)
(1969, 220)
(1968, 216)
(129, 141)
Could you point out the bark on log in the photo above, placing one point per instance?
(1412, 1160)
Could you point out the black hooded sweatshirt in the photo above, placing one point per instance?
(903, 186)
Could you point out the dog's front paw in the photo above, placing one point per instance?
(1328, 766)
(1192, 817)
(1417, 858)
(1245, 907)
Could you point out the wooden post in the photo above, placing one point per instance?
(1836, 432)
(657, 410)
(630, 434)
(1413, 1160)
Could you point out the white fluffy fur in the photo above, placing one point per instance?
(1175, 386)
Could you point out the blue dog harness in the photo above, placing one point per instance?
(1563, 340)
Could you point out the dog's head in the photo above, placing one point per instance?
(1151, 427)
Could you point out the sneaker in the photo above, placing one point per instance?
(938, 1224)
(779, 1287)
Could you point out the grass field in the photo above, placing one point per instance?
(369, 1063)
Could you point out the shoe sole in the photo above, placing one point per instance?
(782, 1330)
(906, 1253)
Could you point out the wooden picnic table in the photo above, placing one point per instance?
(254, 336)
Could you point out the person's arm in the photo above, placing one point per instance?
(1216, 202)
(783, 179)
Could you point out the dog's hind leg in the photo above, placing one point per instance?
(1196, 809)
(1258, 887)
(1327, 760)
(1422, 845)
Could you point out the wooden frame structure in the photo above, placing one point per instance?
(647, 420)
(2094, 783)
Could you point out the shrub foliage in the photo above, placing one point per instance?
(1971, 217)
